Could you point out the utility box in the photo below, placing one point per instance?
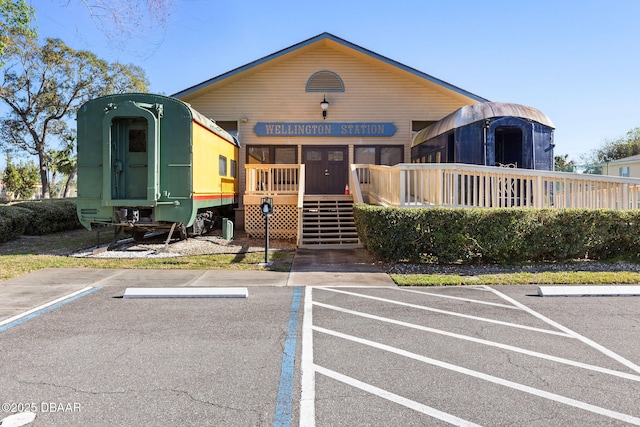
(227, 229)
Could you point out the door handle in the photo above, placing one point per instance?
(326, 172)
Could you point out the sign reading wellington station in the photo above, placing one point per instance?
(324, 129)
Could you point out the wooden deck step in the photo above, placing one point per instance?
(327, 222)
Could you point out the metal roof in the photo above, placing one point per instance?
(476, 112)
(211, 125)
(327, 36)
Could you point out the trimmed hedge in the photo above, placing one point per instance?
(508, 235)
(13, 221)
(37, 218)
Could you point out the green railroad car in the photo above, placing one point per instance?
(149, 162)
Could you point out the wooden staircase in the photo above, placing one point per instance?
(327, 222)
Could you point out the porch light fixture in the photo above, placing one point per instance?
(324, 105)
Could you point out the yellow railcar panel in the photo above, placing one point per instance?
(207, 149)
(205, 161)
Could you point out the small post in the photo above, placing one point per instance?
(266, 208)
(266, 239)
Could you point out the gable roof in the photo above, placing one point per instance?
(630, 159)
(331, 37)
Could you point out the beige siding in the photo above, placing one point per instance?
(613, 169)
(276, 92)
(375, 91)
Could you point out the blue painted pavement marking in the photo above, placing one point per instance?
(46, 309)
(285, 389)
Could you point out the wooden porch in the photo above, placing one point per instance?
(413, 186)
(312, 220)
(461, 185)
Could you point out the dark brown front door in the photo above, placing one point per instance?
(326, 169)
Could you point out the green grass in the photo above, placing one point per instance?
(546, 278)
(17, 265)
(29, 254)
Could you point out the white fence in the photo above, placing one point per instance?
(272, 179)
(461, 185)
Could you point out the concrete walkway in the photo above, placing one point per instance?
(343, 267)
(322, 267)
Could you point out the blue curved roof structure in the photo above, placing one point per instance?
(476, 112)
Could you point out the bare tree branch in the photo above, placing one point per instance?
(124, 20)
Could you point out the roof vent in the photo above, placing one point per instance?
(325, 81)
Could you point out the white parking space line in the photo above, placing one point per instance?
(43, 306)
(451, 313)
(474, 301)
(309, 368)
(486, 377)
(308, 382)
(408, 403)
(18, 420)
(569, 332)
(612, 372)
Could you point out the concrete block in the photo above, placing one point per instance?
(584, 291)
(187, 292)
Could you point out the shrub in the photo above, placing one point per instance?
(507, 235)
(50, 215)
(13, 221)
(500, 233)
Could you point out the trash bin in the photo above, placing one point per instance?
(227, 229)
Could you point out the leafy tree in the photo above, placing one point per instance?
(45, 85)
(563, 164)
(626, 146)
(20, 180)
(15, 20)
(65, 162)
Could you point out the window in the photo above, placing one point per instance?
(285, 155)
(335, 155)
(365, 155)
(451, 148)
(223, 166)
(234, 168)
(313, 156)
(325, 81)
(379, 155)
(281, 155)
(390, 155)
(256, 154)
(624, 171)
(137, 141)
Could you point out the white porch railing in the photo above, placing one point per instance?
(461, 185)
(272, 179)
(449, 184)
(285, 185)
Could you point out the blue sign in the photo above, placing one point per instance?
(324, 129)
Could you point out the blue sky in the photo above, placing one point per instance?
(575, 60)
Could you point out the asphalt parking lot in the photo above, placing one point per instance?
(150, 362)
(344, 356)
(469, 356)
